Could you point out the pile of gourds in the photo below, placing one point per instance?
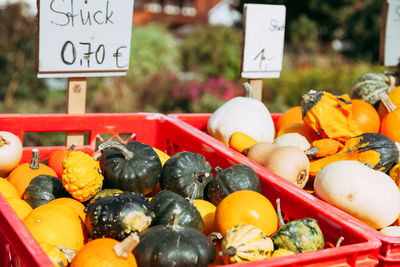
(133, 205)
(343, 148)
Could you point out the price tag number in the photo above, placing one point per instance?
(89, 55)
(262, 59)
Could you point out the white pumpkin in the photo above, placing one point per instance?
(391, 231)
(10, 152)
(292, 139)
(367, 194)
(242, 114)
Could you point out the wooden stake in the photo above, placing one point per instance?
(256, 85)
(76, 104)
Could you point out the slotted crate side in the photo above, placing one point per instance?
(390, 250)
(358, 248)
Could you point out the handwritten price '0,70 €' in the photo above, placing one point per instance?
(69, 54)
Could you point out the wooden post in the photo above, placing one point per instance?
(76, 104)
(256, 86)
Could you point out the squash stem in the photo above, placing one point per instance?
(215, 236)
(35, 159)
(279, 213)
(192, 197)
(112, 144)
(312, 151)
(387, 102)
(231, 251)
(218, 169)
(175, 217)
(72, 147)
(68, 253)
(3, 142)
(391, 83)
(248, 88)
(125, 247)
(339, 241)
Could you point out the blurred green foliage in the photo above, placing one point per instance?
(17, 58)
(212, 51)
(154, 49)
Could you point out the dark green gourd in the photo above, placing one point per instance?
(164, 203)
(235, 178)
(174, 245)
(183, 170)
(118, 215)
(43, 189)
(134, 167)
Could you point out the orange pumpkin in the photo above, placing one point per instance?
(390, 124)
(290, 116)
(57, 225)
(207, 212)
(365, 116)
(72, 203)
(101, 252)
(245, 207)
(56, 158)
(23, 174)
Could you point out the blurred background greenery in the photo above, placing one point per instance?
(328, 45)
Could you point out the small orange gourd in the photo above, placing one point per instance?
(390, 125)
(290, 116)
(365, 116)
(23, 174)
(107, 252)
(324, 147)
(245, 207)
(56, 159)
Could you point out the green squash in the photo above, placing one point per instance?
(370, 86)
(235, 178)
(174, 245)
(300, 235)
(165, 203)
(183, 170)
(118, 215)
(134, 167)
(43, 189)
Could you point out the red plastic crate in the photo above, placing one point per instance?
(170, 135)
(390, 250)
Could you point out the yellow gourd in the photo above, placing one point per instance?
(244, 243)
(240, 141)
(81, 176)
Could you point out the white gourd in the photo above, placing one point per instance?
(292, 139)
(242, 114)
(367, 194)
(391, 231)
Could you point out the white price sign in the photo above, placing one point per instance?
(391, 34)
(84, 38)
(264, 27)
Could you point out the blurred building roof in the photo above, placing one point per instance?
(181, 12)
